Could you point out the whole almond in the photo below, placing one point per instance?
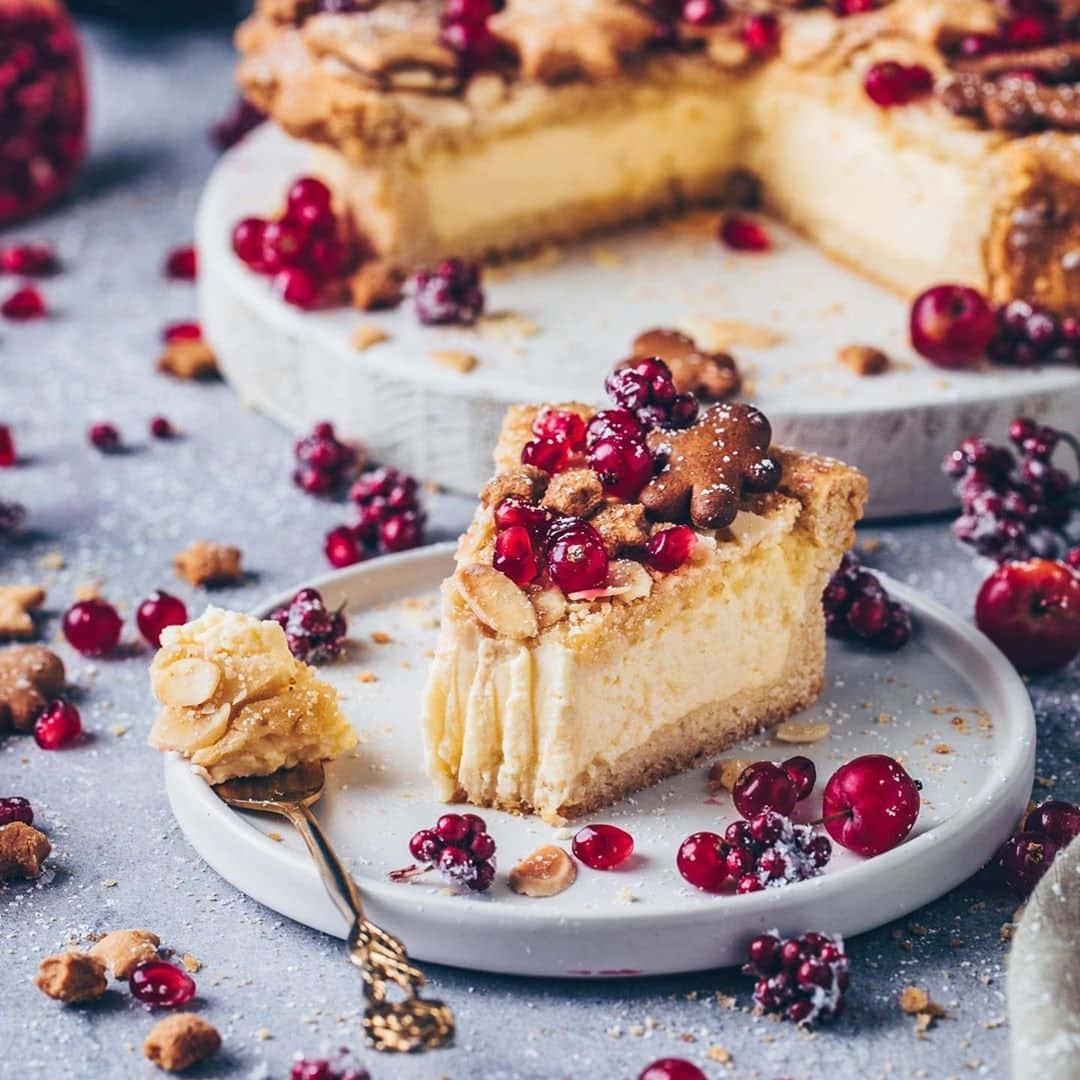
(547, 871)
(497, 602)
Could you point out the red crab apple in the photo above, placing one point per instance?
(870, 804)
(1031, 612)
(42, 105)
(951, 325)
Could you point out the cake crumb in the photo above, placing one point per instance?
(795, 731)
(276, 837)
(863, 359)
(719, 1054)
(121, 951)
(71, 977)
(191, 963)
(22, 851)
(367, 677)
(181, 1040)
(205, 562)
(188, 358)
(454, 359)
(368, 334)
(380, 637)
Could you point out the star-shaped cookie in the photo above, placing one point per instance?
(16, 603)
(561, 39)
(707, 466)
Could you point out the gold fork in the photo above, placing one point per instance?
(412, 1023)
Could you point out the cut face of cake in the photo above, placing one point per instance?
(945, 165)
(236, 702)
(610, 624)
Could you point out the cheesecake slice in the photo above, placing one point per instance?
(555, 692)
(960, 183)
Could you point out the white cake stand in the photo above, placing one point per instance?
(586, 305)
(948, 705)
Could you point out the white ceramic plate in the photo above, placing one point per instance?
(948, 704)
(588, 306)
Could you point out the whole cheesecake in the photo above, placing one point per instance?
(608, 625)
(917, 141)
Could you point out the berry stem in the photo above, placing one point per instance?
(407, 873)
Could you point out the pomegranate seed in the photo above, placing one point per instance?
(161, 427)
(671, 548)
(342, 548)
(23, 304)
(514, 511)
(8, 457)
(763, 786)
(559, 423)
(802, 773)
(672, 1069)
(870, 804)
(702, 860)
(576, 557)
(742, 234)
(514, 555)
(624, 467)
(552, 454)
(602, 847)
(761, 32)
(29, 260)
(58, 725)
(308, 202)
(158, 610)
(888, 83)
(1029, 31)
(180, 265)
(92, 627)
(182, 331)
(247, 242)
(16, 808)
(161, 985)
(297, 286)
(104, 437)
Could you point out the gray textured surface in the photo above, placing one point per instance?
(121, 518)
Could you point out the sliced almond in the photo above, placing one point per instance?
(632, 577)
(186, 682)
(725, 772)
(547, 871)
(549, 605)
(188, 732)
(793, 731)
(497, 602)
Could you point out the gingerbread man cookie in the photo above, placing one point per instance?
(706, 467)
(30, 678)
(710, 376)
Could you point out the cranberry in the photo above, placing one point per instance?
(671, 1069)
(1031, 611)
(308, 202)
(248, 242)
(1024, 859)
(951, 325)
(161, 428)
(702, 860)
(1058, 820)
(24, 303)
(15, 808)
(182, 331)
(763, 786)
(560, 424)
(29, 260)
(514, 555)
(158, 610)
(576, 557)
(92, 627)
(449, 294)
(624, 467)
(104, 437)
(742, 234)
(602, 847)
(8, 457)
(888, 83)
(242, 118)
(761, 32)
(704, 12)
(161, 985)
(550, 454)
(180, 264)
(802, 773)
(297, 286)
(43, 106)
(618, 423)
(342, 547)
(870, 804)
(58, 725)
(513, 511)
(669, 549)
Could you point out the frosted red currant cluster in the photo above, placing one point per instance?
(803, 977)
(315, 634)
(858, 606)
(459, 847)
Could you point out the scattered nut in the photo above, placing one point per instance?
(123, 950)
(208, 563)
(622, 527)
(180, 1040)
(550, 605)
(377, 284)
(22, 851)
(454, 359)
(547, 871)
(575, 492)
(188, 358)
(16, 603)
(30, 678)
(368, 334)
(71, 977)
(863, 359)
(497, 602)
(725, 772)
(794, 731)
